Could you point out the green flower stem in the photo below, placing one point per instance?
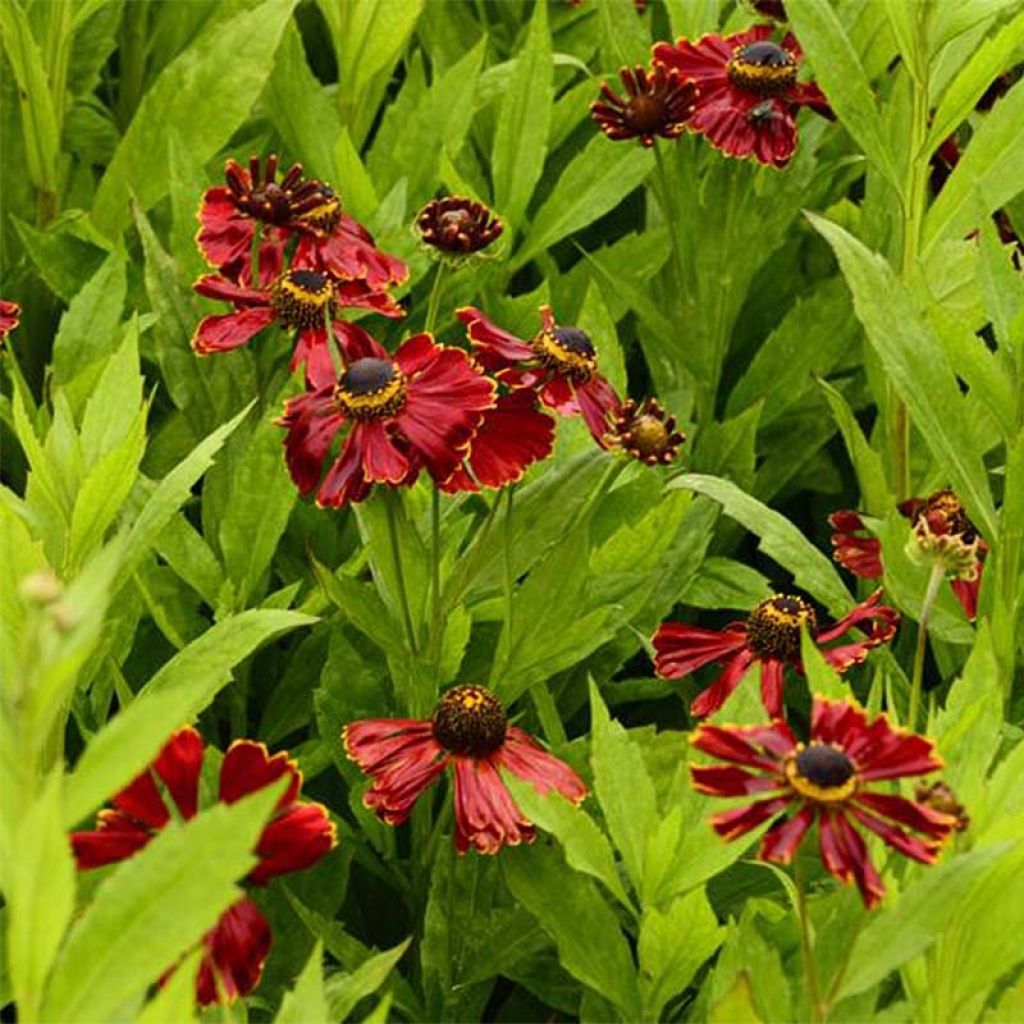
(434, 302)
(931, 592)
(806, 949)
(391, 498)
(337, 359)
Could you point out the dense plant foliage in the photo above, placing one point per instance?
(546, 543)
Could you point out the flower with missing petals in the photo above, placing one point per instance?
(645, 433)
(657, 102)
(827, 781)
(769, 637)
(457, 227)
(748, 95)
(297, 836)
(468, 731)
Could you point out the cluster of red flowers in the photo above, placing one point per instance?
(739, 91)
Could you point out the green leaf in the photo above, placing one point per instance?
(908, 350)
(344, 991)
(723, 583)
(822, 679)
(154, 907)
(176, 694)
(40, 893)
(591, 946)
(586, 847)
(622, 786)
(992, 166)
(174, 1002)
(780, 539)
(916, 921)
(596, 181)
(842, 78)
(182, 95)
(307, 1002)
(520, 139)
(986, 63)
(672, 947)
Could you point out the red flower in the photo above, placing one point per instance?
(347, 251)
(298, 835)
(941, 529)
(10, 317)
(747, 92)
(457, 227)
(559, 363)
(468, 730)
(770, 637)
(645, 433)
(657, 102)
(825, 780)
(511, 437)
(297, 300)
(418, 408)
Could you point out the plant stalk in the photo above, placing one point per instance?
(916, 680)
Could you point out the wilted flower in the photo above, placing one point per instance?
(825, 781)
(457, 226)
(10, 317)
(297, 836)
(770, 637)
(747, 91)
(469, 730)
(939, 797)
(560, 364)
(657, 102)
(645, 433)
(417, 408)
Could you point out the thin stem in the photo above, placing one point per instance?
(396, 561)
(509, 579)
(468, 563)
(436, 595)
(934, 580)
(806, 949)
(333, 348)
(668, 207)
(434, 302)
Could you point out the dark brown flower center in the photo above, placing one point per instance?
(645, 113)
(323, 211)
(824, 766)
(763, 68)
(773, 629)
(371, 388)
(650, 438)
(299, 298)
(457, 226)
(568, 350)
(470, 720)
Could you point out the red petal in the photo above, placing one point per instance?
(225, 235)
(856, 854)
(178, 766)
(524, 757)
(495, 346)
(223, 333)
(312, 421)
(772, 671)
(217, 286)
(417, 353)
(708, 702)
(486, 816)
(117, 838)
(781, 841)
(359, 295)
(10, 317)
(248, 767)
(846, 520)
(295, 840)
(703, 60)
(732, 824)
(909, 846)
(345, 480)
(910, 813)
(728, 780)
(557, 393)
(736, 744)
(681, 649)
(967, 593)
(356, 343)
(382, 461)
(234, 954)
(869, 610)
(596, 400)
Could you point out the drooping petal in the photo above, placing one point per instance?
(710, 700)
(739, 744)
(780, 842)
(728, 780)
(908, 812)
(116, 838)
(772, 672)
(293, 841)
(234, 953)
(966, 592)
(869, 610)
(224, 289)
(248, 766)
(351, 254)
(681, 649)
(345, 480)
(225, 235)
(732, 824)
(486, 816)
(908, 845)
(178, 766)
(230, 330)
(312, 421)
(524, 757)
(357, 343)
(557, 393)
(856, 855)
(382, 461)
(597, 401)
(495, 348)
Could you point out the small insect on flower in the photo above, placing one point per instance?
(469, 731)
(657, 103)
(748, 95)
(645, 433)
(297, 836)
(457, 227)
(827, 781)
(10, 317)
(770, 637)
(559, 363)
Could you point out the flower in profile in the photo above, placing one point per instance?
(770, 637)
(657, 102)
(457, 227)
(469, 730)
(826, 781)
(940, 531)
(10, 317)
(511, 437)
(420, 407)
(297, 300)
(560, 364)
(939, 797)
(297, 836)
(748, 95)
(645, 433)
